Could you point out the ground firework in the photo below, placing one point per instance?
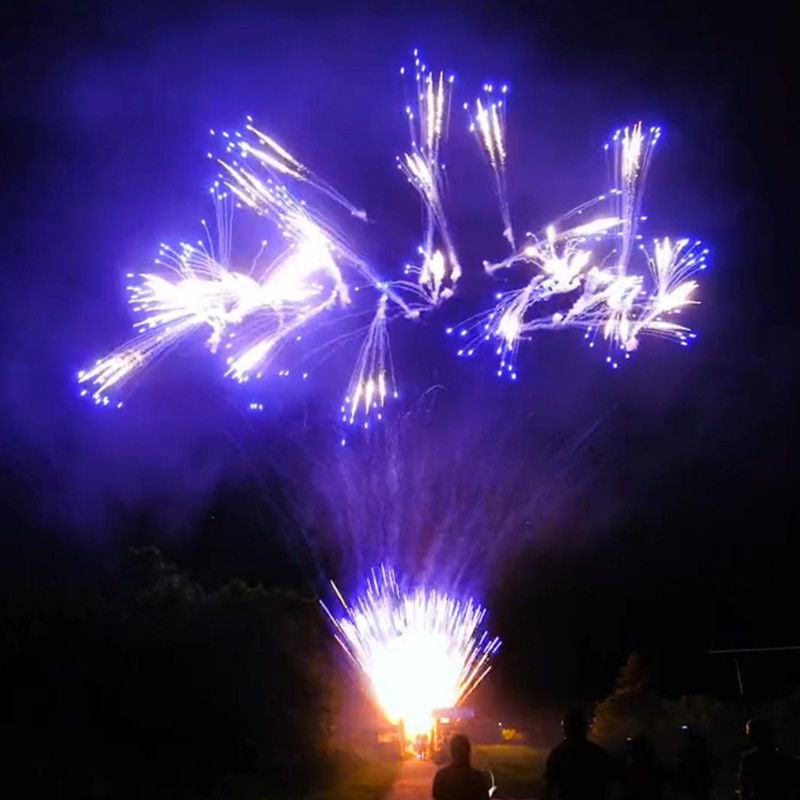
(419, 650)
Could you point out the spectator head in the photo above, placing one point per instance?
(574, 724)
(460, 749)
(760, 733)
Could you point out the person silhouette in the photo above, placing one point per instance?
(578, 769)
(458, 780)
(644, 777)
(764, 772)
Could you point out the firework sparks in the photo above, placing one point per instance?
(631, 151)
(671, 264)
(205, 293)
(199, 289)
(259, 146)
(419, 650)
(488, 123)
(589, 265)
(372, 383)
(429, 283)
(296, 220)
(591, 261)
(425, 172)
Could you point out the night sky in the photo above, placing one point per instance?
(656, 510)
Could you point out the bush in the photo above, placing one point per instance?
(635, 708)
(154, 687)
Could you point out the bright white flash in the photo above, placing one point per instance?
(420, 650)
(251, 313)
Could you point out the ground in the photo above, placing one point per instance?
(361, 778)
(518, 769)
(414, 781)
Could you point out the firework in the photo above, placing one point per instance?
(425, 171)
(419, 650)
(254, 312)
(487, 122)
(372, 383)
(262, 148)
(590, 265)
(671, 264)
(296, 220)
(428, 283)
(631, 151)
(588, 270)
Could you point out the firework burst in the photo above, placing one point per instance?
(255, 145)
(591, 262)
(590, 265)
(631, 151)
(253, 312)
(419, 651)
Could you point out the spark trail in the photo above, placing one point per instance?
(488, 123)
(372, 383)
(262, 148)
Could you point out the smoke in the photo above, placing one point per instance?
(444, 500)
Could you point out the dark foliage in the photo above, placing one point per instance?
(152, 686)
(637, 708)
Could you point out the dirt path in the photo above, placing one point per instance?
(414, 781)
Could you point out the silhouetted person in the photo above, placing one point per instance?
(691, 766)
(765, 773)
(458, 780)
(644, 777)
(578, 769)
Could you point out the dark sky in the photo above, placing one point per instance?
(673, 530)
